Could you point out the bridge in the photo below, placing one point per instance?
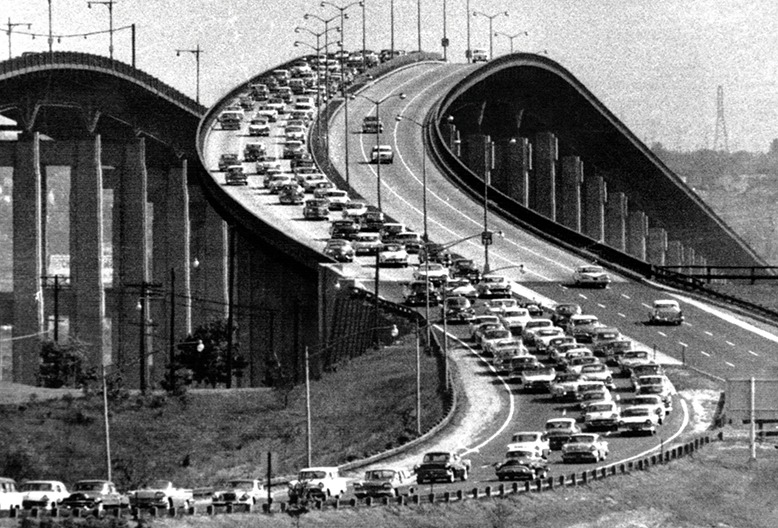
(562, 175)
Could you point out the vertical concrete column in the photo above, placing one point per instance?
(86, 248)
(595, 192)
(473, 153)
(545, 174)
(656, 248)
(569, 193)
(131, 254)
(674, 254)
(450, 135)
(689, 259)
(616, 221)
(213, 263)
(27, 259)
(637, 232)
(512, 165)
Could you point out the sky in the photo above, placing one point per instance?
(656, 64)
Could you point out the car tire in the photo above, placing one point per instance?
(451, 477)
(464, 475)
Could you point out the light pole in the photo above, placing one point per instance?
(317, 49)
(418, 23)
(391, 26)
(424, 128)
(491, 30)
(326, 22)
(444, 42)
(10, 29)
(364, 36)
(486, 238)
(196, 52)
(511, 38)
(109, 4)
(468, 51)
(394, 332)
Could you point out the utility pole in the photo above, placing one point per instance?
(109, 4)
(10, 29)
(146, 291)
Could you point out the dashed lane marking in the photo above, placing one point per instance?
(625, 296)
(582, 296)
(601, 305)
(730, 364)
(704, 353)
(730, 343)
(645, 305)
(682, 344)
(753, 353)
(621, 315)
(662, 334)
(708, 333)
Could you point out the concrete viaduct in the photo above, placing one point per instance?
(562, 165)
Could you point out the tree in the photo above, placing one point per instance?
(204, 354)
(63, 365)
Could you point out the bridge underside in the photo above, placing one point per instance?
(560, 152)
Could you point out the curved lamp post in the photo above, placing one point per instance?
(491, 30)
(511, 38)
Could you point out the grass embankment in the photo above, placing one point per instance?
(208, 436)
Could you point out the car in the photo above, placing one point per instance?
(235, 176)
(489, 338)
(497, 306)
(585, 446)
(493, 286)
(259, 127)
(384, 482)
(372, 125)
(345, 228)
(563, 312)
(582, 327)
(382, 154)
(228, 159)
(267, 166)
(521, 364)
(503, 352)
(435, 252)
(310, 181)
(457, 309)
(650, 401)
(613, 350)
(638, 419)
(268, 114)
(366, 243)
(591, 276)
(632, 359)
(320, 189)
(557, 343)
(291, 194)
(275, 183)
(412, 241)
(336, 199)
(559, 430)
(318, 483)
(556, 353)
(295, 133)
(316, 209)
(480, 319)
(462, 267)
(537, 379)
(240, 491)
(479, 55)
(95, 494)
(535, 441)
(514, 318)
(42, 494)
(570, 353)
(436, 273)
(373, 220)
(578, 363)
(666, 311)
(601, 337)
(602, 415)
(293, 149)
(393, 254)
(161, 494)
(390, 229)
(339, 249)
(355, 210)
(480, 329)
(420, 293)
(522, 464)
(444, 466)
(460, 287)
(10, 496)
(531, 327)
(254, 152)
(542, 336)
(659, 385)
(231, 119)
(598, 372)
(592, 397)
(564, 386)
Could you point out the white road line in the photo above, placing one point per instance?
(682, 344)
(645, 305)
(601, 305)
(730, 364)
(704, 353)
(753, 353)
(662, 334)
(621, 315)
(708, 333)
(730, 343)
(684, 424)
(582, 296)
(626, 296)
(728, 318)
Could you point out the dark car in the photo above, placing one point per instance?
(522, 465)
(91, 494)
(467, 269)
(344, 229)
(442, 466)
(563, 311)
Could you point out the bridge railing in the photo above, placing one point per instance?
(70, 59)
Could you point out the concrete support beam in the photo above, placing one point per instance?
(674, 253)
(595, 193)
(86, 248)
(656, 246)
(451, 136)
(131, 255)
(544, 178)
(473, 153)
(637, 232)
(569, 193)
(689, 258)
(616, 221)
(511, 168)
(27, 260)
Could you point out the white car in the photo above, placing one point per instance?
(651, 402)
(42, 494)
(460, 286)
(494, 286)
(498, 306)
(366, 243)
(259, 127)
(602, 415)
(392, 254)
(633, 358)
(336, 199)
(577, 364)
(320, 482)
(490, 338)
(515, 316)
(10, 496)
(382, 154)
(240, 491)
(639, 419)
(659, 385)
(435, 271)
(295, 133)
(589, 275)
(478, 320)
(543, 335)
(598, 372)
(532, 326)
(354, 210)
(585, 446)
(536, 441)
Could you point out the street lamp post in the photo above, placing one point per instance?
(488, 167)
(318, 50)
(444, 42)
(391, 28)
(196, 52)
(511, 38)
(418, 23)
(326, 22)
(394, 332)
(10, 30)
(109, 4)
(468, 51)
(491, 30)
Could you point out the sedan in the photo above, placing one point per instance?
(592, 276)
(585, 446)
(393, 255)
(366, 243)
(339, 249)
(522, 465)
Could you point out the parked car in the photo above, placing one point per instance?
(591, 276)
(10, 496)
(317, 483)
(240, 491)
(444, 466)
(585, 446)
(384, 482)
(95, 494)
(42, 494)
(666, 311)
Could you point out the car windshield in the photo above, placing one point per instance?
(435, 458)
(393, 247)
(549, 332)
(650, 380)
(560, 424)
(493, 280)
(607, 335)
(600, 407)
(379, 474)
(636, 355)
(537, 324)
(243, 485)
(36, 486)
(519, 454)
(311, 475)
(584, 321)
(589, 369)
(524, 437)
(582, 439)
(590, 269)
(88, 486)
(635, 411)
(497, 334)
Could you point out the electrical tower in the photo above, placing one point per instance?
(721, 138)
